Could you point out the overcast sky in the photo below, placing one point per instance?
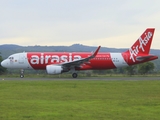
(109, 23)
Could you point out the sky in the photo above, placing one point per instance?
(109, 23)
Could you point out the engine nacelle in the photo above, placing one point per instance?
(53, 69)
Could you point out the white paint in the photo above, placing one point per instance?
(118, 60)
(17, 62)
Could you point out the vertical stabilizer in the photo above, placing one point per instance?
(142, 45)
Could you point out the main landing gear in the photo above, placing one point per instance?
(74, 75)
(22, 73)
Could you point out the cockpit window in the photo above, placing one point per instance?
(11, 58)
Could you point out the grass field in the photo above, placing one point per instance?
(79, 100)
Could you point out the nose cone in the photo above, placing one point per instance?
(4, 63)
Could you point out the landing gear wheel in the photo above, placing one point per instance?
(21, 76)
(74, 75)
(21, 73)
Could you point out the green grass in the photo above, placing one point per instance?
(79, 100)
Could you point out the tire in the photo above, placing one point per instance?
(74, 75)
(21, 76)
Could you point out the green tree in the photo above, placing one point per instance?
(145, 67)
(2, 69)
(131, 70)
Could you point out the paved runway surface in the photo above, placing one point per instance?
(89, 78)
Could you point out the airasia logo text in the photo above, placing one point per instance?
(45, 59)
(141, 46)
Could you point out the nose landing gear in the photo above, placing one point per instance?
(22, 73)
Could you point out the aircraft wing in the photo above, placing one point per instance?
(77, 63)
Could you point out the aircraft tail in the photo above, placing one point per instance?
(142, 45)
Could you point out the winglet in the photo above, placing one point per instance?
(95, 53)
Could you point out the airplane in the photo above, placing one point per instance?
(59, 62)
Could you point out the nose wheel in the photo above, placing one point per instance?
(21, 76)
(22, 73)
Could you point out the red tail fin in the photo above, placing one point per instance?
(142, 45)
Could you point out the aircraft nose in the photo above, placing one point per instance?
(3, 63)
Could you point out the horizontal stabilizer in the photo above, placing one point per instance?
(141, 58)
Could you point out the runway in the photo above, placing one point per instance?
(83, 79)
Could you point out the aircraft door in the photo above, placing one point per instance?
(21, 58)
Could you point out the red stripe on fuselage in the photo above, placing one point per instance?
(39, 60)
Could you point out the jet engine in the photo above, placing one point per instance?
(53, 69)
